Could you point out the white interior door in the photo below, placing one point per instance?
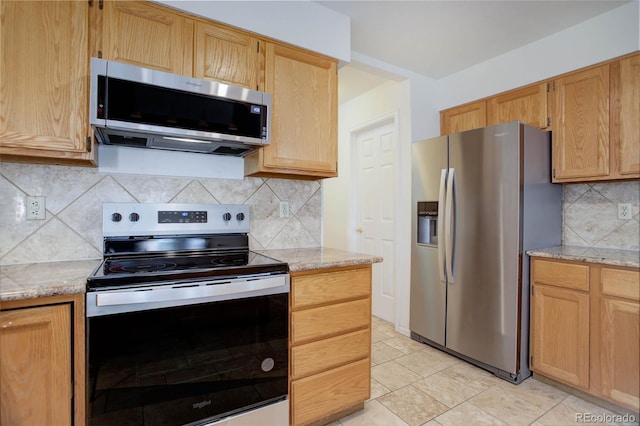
(375, 224)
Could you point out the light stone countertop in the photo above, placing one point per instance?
(31, 280)
(305, 259)
(613, 257)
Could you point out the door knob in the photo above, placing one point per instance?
(359, 230)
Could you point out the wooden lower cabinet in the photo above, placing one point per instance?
(561, 336)
(42, 361)
(619, 336)
(585, 321)
(317, 396)
(330, 343)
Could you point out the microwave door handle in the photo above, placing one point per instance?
(450, 226)
(441, 220)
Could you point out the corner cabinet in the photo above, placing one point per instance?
(330, 343)
(44, 78)
(42, 362)
(584, 328)
(304, 141)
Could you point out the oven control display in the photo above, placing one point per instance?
(182, 217)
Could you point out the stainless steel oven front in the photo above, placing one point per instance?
(186, 337)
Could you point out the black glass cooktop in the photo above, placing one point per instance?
(140, 269)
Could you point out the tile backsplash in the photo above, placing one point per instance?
(74, 196)
(591, 215)
(72, 228)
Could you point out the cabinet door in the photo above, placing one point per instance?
(142, 34)
(465, 117)
(620, 351)
(35, 366)
(304, 115)
(226, 55)
(44, 79)
(321, 395)
(629, 141)
(528, 105)
(581, 125)
(560, 334)
(620, 337)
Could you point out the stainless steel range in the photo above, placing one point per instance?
(185, 325)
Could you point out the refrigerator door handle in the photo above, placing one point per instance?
(441, 220)
(449, 232)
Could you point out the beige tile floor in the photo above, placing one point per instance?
(414, 384)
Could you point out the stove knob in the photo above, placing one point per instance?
(240, 216)
(226, 217)
(116, 217)
(134, 217)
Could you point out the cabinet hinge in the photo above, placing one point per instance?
(88, 143)
(90, 3)
(100, 4)
(258, 46)
(100, 54)
(548, 121)
(554, 173)
(551, 87)
(548, 87)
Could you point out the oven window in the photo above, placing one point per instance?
(185, 364)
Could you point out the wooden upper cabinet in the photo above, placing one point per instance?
(304, 115)
(626, 122)
(226, 55)
(35, 366)
(581, 125)
(143, 34)
(464, 117)
(528, 105)
(44, 81)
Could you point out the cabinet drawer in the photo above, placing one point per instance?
(621, 283)
(317, 396)
(329, 320)
(560, 274)
(307, 290)
(328, 353)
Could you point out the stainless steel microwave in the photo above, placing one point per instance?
(146, 108)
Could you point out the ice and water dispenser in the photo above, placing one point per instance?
(428, 222)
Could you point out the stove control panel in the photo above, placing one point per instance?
(182, 216)
(149, 219)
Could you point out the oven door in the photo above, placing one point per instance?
(196, 363)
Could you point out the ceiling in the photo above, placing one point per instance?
(439, 38)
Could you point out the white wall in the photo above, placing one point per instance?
(604, 37)
(389, 98)
(301, 23)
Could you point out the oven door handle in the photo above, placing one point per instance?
(200, 290)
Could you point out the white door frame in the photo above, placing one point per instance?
(391, 118)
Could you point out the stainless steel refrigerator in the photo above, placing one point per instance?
(480, 200)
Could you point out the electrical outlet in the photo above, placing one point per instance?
(35, 209)
(284, 209)
(624, 211)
